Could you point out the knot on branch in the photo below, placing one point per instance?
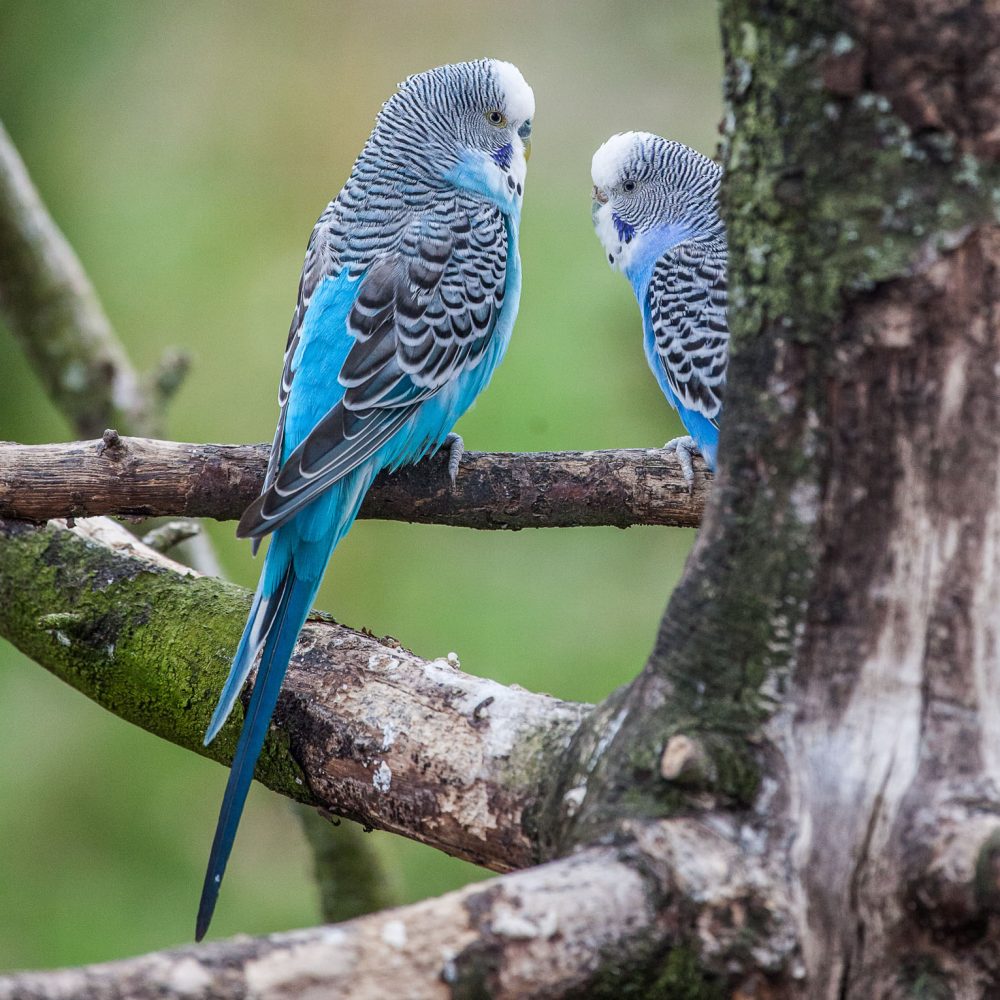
(685, 762)
(711, 763)
(62, 624)
(111, 444)
(166, 536)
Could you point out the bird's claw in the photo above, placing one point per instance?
(456, 449)
(685, 449)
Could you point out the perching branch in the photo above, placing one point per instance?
(53, 311)
(364, 729)
(587, 925)
(138, 476)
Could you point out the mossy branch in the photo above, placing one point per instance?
(363, 729)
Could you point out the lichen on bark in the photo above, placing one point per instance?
(128, 636)
(364, 728)
(829, 195)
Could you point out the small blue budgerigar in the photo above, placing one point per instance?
(656, 212)
(406, 304)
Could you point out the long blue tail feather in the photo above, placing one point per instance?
(249, 647)
(464, 290)
(290, 604)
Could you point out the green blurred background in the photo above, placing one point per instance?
(186, 148)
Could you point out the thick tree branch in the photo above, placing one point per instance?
(364, 729)
(53, 311)
(604, 923)
(143, 477)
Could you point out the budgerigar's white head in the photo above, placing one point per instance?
(517, 97)
(465, 123)
(643, 184)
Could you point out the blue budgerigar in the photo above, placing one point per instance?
(405, 308)
(656, 212)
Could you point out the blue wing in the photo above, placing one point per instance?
(687, 335)
(362, 390)
(319, 271)
(423, 317)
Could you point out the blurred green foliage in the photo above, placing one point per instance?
(186, 149)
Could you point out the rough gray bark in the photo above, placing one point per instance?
(821, 711)
(145, 478)
(605, 922)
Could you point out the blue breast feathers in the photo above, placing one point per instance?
(478, 173)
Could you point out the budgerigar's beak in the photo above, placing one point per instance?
(525, 133)
(599, 196)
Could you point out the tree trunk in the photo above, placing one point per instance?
(821, 711)
(831, 658)
(891, 738)
(867, 312)
(851, 557)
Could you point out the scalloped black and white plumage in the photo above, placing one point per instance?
(686, 299)
(656, 213)
(405, 307)
(423, 316)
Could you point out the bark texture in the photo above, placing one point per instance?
(364, 729)
(146, 478)
(894, 758)
(606, 923)
(829, 666)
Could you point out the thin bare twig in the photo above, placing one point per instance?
(143, 477)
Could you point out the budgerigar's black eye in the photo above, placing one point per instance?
(628, 186)
(497, 118)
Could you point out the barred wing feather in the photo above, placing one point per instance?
(424, 315)
(687, 308)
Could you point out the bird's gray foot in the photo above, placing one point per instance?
(456, 449)
(685, 449)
